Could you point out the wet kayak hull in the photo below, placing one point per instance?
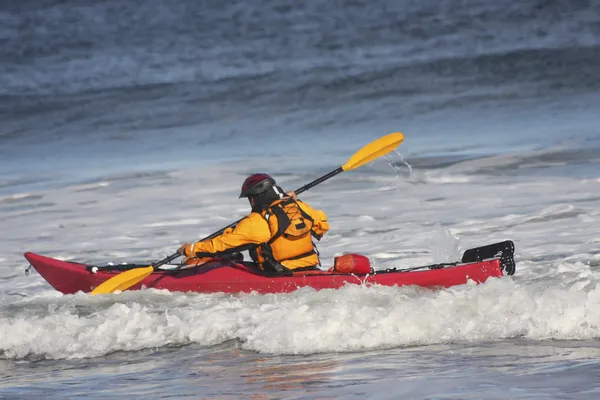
(233, 277)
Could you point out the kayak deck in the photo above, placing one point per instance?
(232, 277)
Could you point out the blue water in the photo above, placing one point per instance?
(111, 86)
(492, 95)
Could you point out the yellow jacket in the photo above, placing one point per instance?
(292, 248)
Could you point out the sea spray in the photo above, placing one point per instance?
(442, 243)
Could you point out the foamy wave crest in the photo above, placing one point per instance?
(354, 318)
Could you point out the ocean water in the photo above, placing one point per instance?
(127, 128)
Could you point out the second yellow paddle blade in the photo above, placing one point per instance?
(123, 281)
(374, 150)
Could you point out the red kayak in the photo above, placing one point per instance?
(477, 264)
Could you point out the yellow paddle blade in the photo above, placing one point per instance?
(123, 281)
(374, 150)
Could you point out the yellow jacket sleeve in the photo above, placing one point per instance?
(253, 229)
(320, 223)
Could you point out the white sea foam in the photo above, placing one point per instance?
(554, 293)
(350, 319)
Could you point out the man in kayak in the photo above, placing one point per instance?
(277, 233)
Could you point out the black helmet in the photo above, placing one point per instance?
(256, 184)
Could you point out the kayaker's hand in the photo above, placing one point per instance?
(185, 250)
(293, 195)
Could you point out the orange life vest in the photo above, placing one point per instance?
(291, 235)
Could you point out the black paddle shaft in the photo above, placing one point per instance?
(320, 180)
(166, 260)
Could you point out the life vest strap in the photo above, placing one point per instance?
(299, 256)
(313, 268)
(283, 221)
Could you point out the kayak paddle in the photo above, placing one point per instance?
(368, 153)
